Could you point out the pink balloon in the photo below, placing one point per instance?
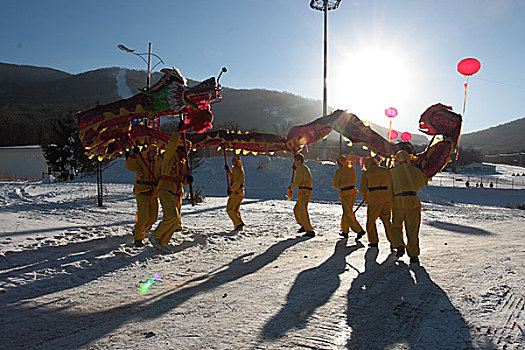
(406, 136)
(391, 112)
(469, 66)
(393, 135)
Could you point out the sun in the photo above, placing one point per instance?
(369, 80)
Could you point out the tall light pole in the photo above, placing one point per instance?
(325, 6)
(148, 61)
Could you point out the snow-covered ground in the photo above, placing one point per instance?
(70, 276)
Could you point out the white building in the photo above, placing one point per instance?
(477, 168)
(22, 163)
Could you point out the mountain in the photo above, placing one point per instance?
(504, 138)
(12, 74)
(41, 90)
(27, 87)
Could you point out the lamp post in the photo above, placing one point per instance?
(148, 61)
(325, 6)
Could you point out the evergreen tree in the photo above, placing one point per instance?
(65, 154)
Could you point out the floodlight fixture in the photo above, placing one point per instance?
(321, 4)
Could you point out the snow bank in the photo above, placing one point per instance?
(266, 178)
(269, 177)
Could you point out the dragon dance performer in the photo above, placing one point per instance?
(235, 192)
(303, 181)
(173, 176)
(376, 190)
(147, 171)
(345, 180)
(406, 180)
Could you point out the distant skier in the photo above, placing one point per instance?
(147, 169)
(406, 180)
(235, 192)
(174, 176)
(375, 189)
(345, 180)
(303, 181)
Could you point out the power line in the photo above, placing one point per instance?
(499, 82)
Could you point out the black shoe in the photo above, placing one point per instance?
(239, 227)
(309, 234)
(139, 243)
(301, 230)
(414, 260)
(343, 234)
(400, 251)
(373, 245)
(360, 235)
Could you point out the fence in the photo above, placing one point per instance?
(506, 158)
(516, 183)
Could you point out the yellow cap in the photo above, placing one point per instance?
(343, 160)
(402, 156)
(352, 158)
(151, 147)
(188, 144)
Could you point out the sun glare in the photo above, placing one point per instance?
(368, 81)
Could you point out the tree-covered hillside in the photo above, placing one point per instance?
(32, 97)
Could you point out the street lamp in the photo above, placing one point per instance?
(325, 6)
(148, 61)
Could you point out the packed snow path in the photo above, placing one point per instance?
(70, 278)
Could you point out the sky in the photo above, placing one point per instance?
(384, 53)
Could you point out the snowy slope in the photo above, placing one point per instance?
(122, 86)
(268, 178)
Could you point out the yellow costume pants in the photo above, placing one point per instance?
(374, 211)
(411, 217)
(171, 221)
(348, 219)
(301, 209)
(233, 208)
(148, 212)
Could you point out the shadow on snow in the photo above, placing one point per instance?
(459, 228)
(393, 305)
(80, 329)
(311, 289)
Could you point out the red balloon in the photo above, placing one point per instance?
(391, 112)
(393, 135)
(406, 136)
(469, 66)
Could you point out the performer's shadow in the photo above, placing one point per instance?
(393, 305)
(312, 288)
(64, 322)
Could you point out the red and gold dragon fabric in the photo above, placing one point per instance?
(107, 130)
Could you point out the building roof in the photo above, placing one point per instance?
(22, 147)
(471, 165)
